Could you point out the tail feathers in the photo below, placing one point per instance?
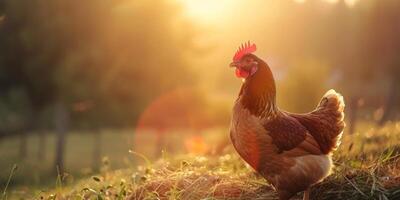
(332, 101)
(326, 123)
(332, 106)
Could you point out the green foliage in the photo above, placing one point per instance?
(113, 56)
(14, 107)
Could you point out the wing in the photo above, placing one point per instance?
(290, 136)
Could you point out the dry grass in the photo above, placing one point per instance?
(367, 167)
(229, 179)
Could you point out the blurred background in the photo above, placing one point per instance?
(84, 82)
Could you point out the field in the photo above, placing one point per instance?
(367, 167)
(132, 99)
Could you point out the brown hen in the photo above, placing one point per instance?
(292, 151)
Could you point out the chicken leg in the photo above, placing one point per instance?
(306, 195)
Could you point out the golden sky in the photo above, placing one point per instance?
(225, 24)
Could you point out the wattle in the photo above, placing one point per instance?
(241, 73)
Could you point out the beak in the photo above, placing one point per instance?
(233, 64)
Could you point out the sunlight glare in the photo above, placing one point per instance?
(350, 3)
(332, 1)
(207, 10)
(300, 1)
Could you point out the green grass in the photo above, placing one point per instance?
(79, 157)
(367, 167)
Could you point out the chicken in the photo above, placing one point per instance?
(292, 151)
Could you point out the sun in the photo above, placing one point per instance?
(207, 10)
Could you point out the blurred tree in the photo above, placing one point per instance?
(382, 31)
(94, 63)
(299, 91)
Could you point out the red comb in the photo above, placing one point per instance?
(244, 50)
